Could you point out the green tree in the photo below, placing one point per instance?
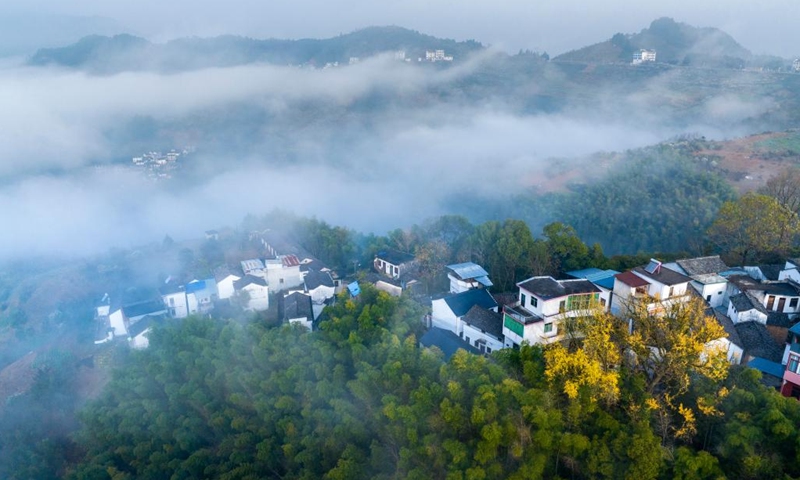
(754, 225)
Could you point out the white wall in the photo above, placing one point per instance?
(716, 291)
(392, 290)
(259, 297)
(117, 323)
(304, 321)
(225, 287)
(474, 335)
(444, 318)
(282, 278)
(176, 304)
(320, 294)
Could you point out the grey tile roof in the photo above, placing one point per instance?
(728, 326)
(485, 320)
(461, 303)
(297, 305)
(395, 257)
(663, 275)
(315, 278)
(742, 302)
(771, 272)
(249, 280)
(702, 265)
(448, 342)
(778, 319)
(757, 342)
(548, 287)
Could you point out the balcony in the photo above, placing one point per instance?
(520, 314)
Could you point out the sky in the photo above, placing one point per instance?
(54, 124)
(555, 26)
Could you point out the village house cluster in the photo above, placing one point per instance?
(643, 56)
(302, 284)
(160, 166)
(758, 307)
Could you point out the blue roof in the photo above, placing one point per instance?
(354, 289)
(766, 366)
(448, 342)
(795, 347)
(460, 303)
(195, 286)
(602, 278)
(584, 273)
(469, 270)
(795, 329)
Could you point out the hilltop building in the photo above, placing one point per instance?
(643, 56)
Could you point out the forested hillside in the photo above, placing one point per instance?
(359, 399)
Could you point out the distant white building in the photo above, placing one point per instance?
(643, 56)
(437, 56)
(796, 65)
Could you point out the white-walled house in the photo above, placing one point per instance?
(654, 284)
(393, 264)
(542, 304)
(297, 309)
(283, 273)
(447, 312)
(791, 270)
(254, 267)
(174, 297)
(257, 291)
(319, 285)
(200, 295)
(706, 279)
(483, 329)
(466, 276)
(225, 288)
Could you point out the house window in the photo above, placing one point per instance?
(280, 281)
(602, 302)
(671, 291)
(548, 328)
(708, 298)
(562, 306)
(534, 302)
(522, 299)
(488, 350)
(396, 270)
(466, 339)
(171, 301)
(793, 303)
(793, 364)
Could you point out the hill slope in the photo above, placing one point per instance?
(125, 52)
(675, 43)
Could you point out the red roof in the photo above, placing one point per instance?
(631, 279)
(290, 261)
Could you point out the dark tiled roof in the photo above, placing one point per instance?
(150, 307)
(447, 341)
(664, 275)
(702, 265)
(297, 305)
(785, 289)
(771, 272)
(778, 319)
(143, 324)
(547, 287)
(395, 257)
(170, 288)
(742, 302)
(757, 342)
(486, 320)
(249, 280)
(461, 303)
(729, 327)
(631, 279)
(315, 278)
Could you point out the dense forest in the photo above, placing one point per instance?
(360, 399)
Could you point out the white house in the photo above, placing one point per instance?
(174, 297)
(483, 328)
(654, 284)
(643, 56)
(744, 308)
(254, 267)
(393, 264)
(257, 291)
(200, 295)
(706, 279)
(283, 272)
(297, 309)
(319, 285)
(466, 276)
(790, 270)
(543, 303)
(447, 312)
(225, 288)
